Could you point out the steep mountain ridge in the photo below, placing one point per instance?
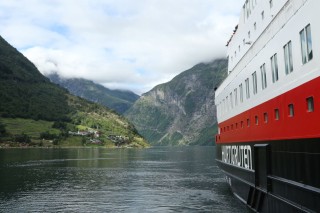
(118, 100)
(182, 111)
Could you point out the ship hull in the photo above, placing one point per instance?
(285, 178)
(268, 108)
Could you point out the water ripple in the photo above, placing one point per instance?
(153, 180)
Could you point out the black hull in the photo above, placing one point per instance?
(284, 177)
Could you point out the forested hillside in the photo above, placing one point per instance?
(24, 92)
(32, 109)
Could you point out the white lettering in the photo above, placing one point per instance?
(240, 156)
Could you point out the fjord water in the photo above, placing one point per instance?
(163, 179)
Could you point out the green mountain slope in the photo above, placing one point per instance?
(182, 111)
(118, 100)
(27, 97)
(24, 92)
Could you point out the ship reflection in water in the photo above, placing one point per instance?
(114, 180)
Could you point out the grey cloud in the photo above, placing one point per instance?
(111, 41)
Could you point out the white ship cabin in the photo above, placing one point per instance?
(255, 16)
(269, 53)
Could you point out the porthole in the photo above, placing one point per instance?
(276, 114)
(265, 117)
(290, 110)
(310, 104)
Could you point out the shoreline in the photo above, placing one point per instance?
(17, 145)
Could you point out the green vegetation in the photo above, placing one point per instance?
(96, 125)
(25, 93)
(95, 121)
(33, 128)
(206, 136)
(3, 130)
(35, 112)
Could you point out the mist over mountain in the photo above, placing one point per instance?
(182, 111)
(118, 100)
(26, 96)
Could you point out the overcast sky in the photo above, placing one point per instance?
(122, 44)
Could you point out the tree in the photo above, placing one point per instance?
(23, 138)
(59, 125)
(2, 130)
(46, 135)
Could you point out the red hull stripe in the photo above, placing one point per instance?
(263, 124)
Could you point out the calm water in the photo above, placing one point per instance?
(113, 180)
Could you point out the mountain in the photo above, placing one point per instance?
(182, 111)
(118, 100)
(28, 99)
(25, 92)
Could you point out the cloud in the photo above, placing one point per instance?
(119, 43)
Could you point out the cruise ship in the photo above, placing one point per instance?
(268, 107)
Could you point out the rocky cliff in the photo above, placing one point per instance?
(182, 111)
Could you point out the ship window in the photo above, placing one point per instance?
(291, 110)
(271, 3)
(276, 114)
(236, 96)
(231, 100)
(310, 104)
(256, 120)
(249, 34)
(255, 26)
(265, 116)
(262, 15)
(248, 122)
(288, 57)
(274, 68)
(241, 92)
(254, 83)
(242, 125)
(306, 44)
(248, 9)
(247, 88)
(236, 125)
(231, 126)
(239, 48)
(223, 106)
(244, 42)
(263, 76)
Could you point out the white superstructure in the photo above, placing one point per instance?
(269, 36)
(268, 107)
